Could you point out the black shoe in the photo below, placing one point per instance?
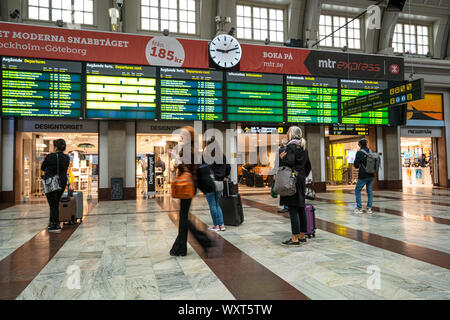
(290, 243)
(54, 228)
(283, 210)
(302, 240)
(177, 254)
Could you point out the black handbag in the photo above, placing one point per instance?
(53, 183)
(205, 181)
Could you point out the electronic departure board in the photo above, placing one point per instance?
(120, 91)
(41, 88)
(356, 88)
(188, 94)
(312, 100)
(254, 97)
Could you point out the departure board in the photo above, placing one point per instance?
(188, 94)
(41, 88)
(253, 97)
(117, 91)
(312, 100)
(356, 88)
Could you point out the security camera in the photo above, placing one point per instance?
(15, 14)
(231, 32)
(266, 41)
(120, 3)
(166, 32)
(60, 23)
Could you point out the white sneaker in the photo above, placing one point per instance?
(214, 228)
(369, 210)
(357, 211)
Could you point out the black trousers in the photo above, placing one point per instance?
(53, 199)
(185, 225)
(298, 219)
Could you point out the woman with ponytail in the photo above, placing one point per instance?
(296, 157)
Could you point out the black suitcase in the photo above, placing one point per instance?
(233, 214)
(259, 181)
(251, 179)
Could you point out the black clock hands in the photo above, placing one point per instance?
(226, 51)
(232, 49)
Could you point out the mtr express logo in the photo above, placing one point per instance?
(351, 66)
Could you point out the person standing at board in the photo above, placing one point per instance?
(56, 163)
(295, 156)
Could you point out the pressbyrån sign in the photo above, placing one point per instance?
(81, 45)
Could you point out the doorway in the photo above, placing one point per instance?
(419, 161)
(33, 147)
(340, 157)
(160, 148)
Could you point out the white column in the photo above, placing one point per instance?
(322, 155)
(233, 152)
(8, 155)
(130, 154)
(446, 98)
(380, 150)
(103, 155)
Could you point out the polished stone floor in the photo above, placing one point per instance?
(121, 251)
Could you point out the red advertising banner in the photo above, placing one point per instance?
(67, 44)
(286, 60)
(258, 58)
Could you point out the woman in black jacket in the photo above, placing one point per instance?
(50, 167)
(296, 157)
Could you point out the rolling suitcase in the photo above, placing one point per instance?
(78, 195)
(259, 181)
(251, 179)
(310, 221)
(67, 209)
(233, 214)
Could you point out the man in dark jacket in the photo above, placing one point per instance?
(364, 178)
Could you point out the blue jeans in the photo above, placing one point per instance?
(368, 182)
(213, 199)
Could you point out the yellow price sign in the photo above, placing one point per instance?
(409, 96)
(280, 130)
(392, 91)
(409, 86)
(392, 100)
(403, 89)
(397, 90)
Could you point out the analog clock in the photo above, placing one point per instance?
(225, 51)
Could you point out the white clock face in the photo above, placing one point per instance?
(225, 51)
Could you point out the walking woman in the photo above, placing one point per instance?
(56, 163)
(296, 157)
(179, 247)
